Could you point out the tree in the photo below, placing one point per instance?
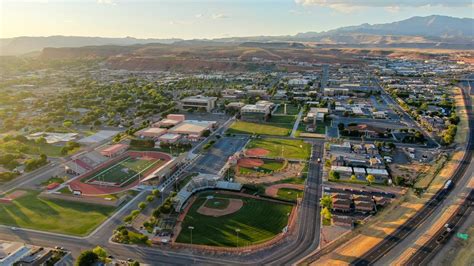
(100, 252)
(150, 198)
(206, 133)
(155, 192)
(142, 205)
(326, 201)
(353, 177)
(156, 213)
(67, 123)
(87, 258)
(135, 263)
(40, 140)
(326, 214)
(370, 179)
(334, 175)
(340, 126)
(128, 218)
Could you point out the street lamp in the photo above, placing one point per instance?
(237, 230)
(191, 229)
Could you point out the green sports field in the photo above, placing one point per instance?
(268, 167)
(288, 148)
(122, 171)
(258, 221)
(59, 216)
(289, 193)
(275, 129)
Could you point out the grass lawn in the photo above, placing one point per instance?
(290, 109)
(268, 167)
(320, 128)
(282, 119)
(48, 149)
(58, 216)
(58, 180)
(258, 221)
(289, 193)
(292, 180)
(289, 148)
(217, 203)
(243, 127)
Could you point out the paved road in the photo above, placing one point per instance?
(308, 222)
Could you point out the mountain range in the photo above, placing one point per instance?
(416, 32)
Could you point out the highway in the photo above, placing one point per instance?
(461, 173)
(427, 251)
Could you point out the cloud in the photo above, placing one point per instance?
(392, 9)
(219, 16)
(198, 15)
(179, 22)
(342, 5)
(106, 2)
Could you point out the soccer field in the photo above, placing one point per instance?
(123, 171)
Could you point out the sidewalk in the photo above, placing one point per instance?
(297, 123)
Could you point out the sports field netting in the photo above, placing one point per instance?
(122, 172)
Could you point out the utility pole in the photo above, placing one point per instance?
(191, 229)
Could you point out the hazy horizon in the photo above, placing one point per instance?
(206, 19)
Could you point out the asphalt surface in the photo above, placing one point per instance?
(423, 254)
(216, 157)
(429, 209)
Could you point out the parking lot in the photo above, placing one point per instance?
(216, 157)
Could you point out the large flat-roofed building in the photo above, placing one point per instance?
(11, 252)
(151, 133)
(335, 91)
(114, 150)
(199, 102)
(193, 129)
(256, 112)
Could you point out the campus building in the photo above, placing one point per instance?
(256, 112)
(199, 102)
(114, 150)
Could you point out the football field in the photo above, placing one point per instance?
(122, 172)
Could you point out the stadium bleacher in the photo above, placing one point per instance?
(202, 182)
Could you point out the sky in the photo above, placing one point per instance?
(190, 19)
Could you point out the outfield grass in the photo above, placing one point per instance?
(243, 127)
(57, 216)
(267, 167)
(258, 221)
(289, 193)
(288, 148)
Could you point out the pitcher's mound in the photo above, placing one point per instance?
(256, 152)
(247, 162)
(233, 206)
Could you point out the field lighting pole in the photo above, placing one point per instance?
(237, 230)
(191, 229)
